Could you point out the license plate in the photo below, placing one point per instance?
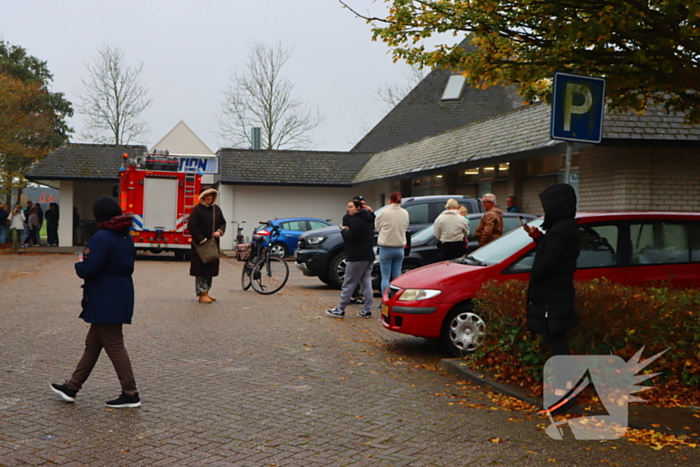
(385, 310)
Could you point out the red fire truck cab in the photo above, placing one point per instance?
(159, 193)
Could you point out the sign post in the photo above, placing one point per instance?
(578, 103)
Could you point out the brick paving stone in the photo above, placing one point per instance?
(250, 380)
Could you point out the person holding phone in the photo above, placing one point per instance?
(17, 225)
(106, 267)
(358, 235)
(551, 292)
(357, 297)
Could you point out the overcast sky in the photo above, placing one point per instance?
(190, 49)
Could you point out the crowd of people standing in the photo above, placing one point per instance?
(22, 226)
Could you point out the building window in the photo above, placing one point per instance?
(467, 176)
(543, 166)
(427, 185)
(550, 165)
(454, 88)
(503, 170)
(488, 173)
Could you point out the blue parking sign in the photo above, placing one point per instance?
(578, 103)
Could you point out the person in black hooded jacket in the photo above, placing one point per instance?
(358, 235)
(551, 290)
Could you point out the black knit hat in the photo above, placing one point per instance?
(106, 208)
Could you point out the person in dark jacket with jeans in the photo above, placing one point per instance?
(106, 266)
(358, 236)
(551, 290)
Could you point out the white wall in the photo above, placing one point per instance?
(83, 195)
(254, 204)
(373, 192)
(86, 193)
(65, 214)
(251, 204)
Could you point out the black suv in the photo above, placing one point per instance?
(321, 253)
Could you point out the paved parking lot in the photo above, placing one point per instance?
(249, 381)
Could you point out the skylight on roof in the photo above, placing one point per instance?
(454, 88)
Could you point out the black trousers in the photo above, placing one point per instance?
(451, 250)
(52, 234)
(558, 345)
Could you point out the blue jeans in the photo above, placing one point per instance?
(390, 261)
(4, 230)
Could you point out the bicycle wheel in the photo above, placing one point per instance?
(269, 280)
(245, 275)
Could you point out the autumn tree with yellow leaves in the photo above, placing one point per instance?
(32, 118)
(648, 50)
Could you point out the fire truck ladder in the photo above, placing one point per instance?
(190, 179)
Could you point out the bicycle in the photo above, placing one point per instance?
(266, 272)
(240, 238)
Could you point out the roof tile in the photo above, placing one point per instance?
(281, 167)
(75, 161)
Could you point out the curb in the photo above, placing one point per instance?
(679, 421)
(457, 367)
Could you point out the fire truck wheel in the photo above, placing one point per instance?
(180, 255)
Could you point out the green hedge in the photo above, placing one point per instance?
(615, 319)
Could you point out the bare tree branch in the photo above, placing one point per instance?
(263, 98)
(113, 99)
(393, 93)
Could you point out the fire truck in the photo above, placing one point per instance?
(160, 192)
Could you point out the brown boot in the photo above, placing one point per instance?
(204, 298)
(210, 297)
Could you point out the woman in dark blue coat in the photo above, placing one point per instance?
(551, 291)
(106, 266)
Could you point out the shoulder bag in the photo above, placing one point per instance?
(208, 250)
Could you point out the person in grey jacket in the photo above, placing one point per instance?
(451, 228)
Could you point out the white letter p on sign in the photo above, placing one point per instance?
(570, 108)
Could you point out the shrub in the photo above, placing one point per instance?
(615, 319)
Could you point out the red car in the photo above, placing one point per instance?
(625, 247)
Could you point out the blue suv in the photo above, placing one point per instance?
(290, 229)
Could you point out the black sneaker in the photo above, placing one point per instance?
(357, 301)
(335, 313)
(125, 402)
(62, 390)
(365, 314)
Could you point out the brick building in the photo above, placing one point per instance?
(644, 162)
